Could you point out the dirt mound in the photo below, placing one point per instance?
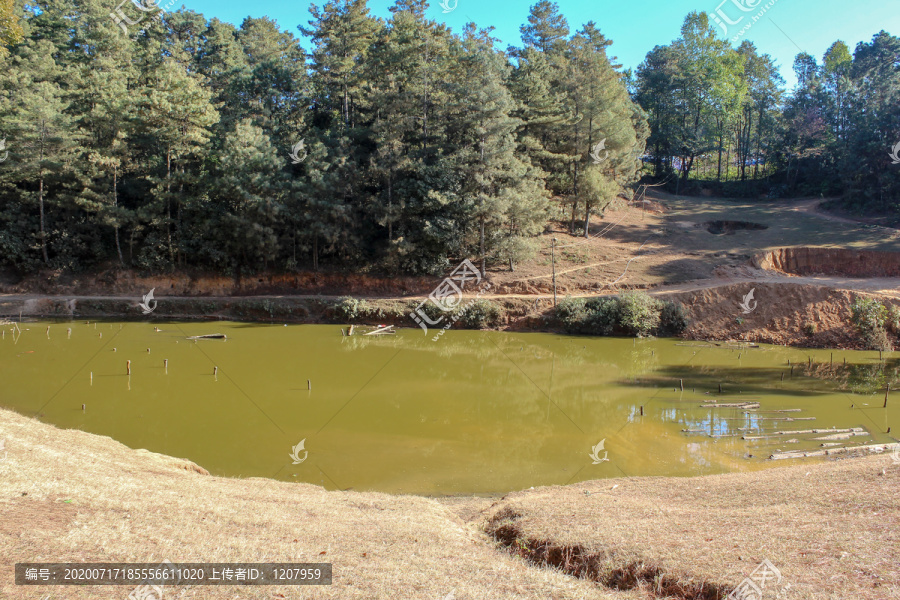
(783, 313)
(730, 227)
(830, 261)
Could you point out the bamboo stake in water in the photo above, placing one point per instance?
(128, 367)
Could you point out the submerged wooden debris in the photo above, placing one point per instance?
(208, 336)
(370, 330)
(731, 405)
(870, 448)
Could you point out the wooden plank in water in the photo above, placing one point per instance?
(802, 431)
(731, 405)
(841, 436)
(871, 448)
(208, 336)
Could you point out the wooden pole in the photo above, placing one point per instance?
(553, 262)
(308, 385)
(642, 411)
(681, 383)
(128, 367)
(166, 365)
(215, 371)
(720, 388)
(886, 392)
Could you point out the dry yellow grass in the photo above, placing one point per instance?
(833, 533)
(832, 529)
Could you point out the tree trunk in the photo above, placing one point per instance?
(481, 245)
(587, 217)
(169, 208)
(115, 204)
(316, 252)
(41, 208)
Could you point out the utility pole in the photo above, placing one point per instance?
(553, 261)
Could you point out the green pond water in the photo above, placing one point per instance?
(473, 412)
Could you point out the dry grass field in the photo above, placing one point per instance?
(830, 528)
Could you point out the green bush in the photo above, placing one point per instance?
(672, 318)
(353, 309)
(481, 314)
(572, 313)
(629, 314)
(870, 317)
(893, 319)
(603, 315)
(639, 313)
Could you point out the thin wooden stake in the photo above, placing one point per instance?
(886, 392)
(308, 385)
(642, 411)
(681, 383)
(128, 367)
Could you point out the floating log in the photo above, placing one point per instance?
(803, 431)
(783, 410)
(731, 405)
(841, 436)
(208, 336)
(871, 448)
(386, 330)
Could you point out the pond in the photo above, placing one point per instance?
(472, 413)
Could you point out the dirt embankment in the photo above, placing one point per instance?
(830, 261)
(120, 282)
(791, 314)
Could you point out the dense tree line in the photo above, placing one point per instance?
(720, 115)
(162, 140)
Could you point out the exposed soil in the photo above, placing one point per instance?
(830, 261)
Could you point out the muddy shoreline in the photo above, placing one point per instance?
(788, 314)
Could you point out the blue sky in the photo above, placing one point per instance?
(786, 28)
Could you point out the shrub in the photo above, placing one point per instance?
(603, 315)
(893, 319)
(672, 318)
(639, 313)
(810, 328)
(353, 309)
(480, 314)
(572, 313)
(870, 316)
